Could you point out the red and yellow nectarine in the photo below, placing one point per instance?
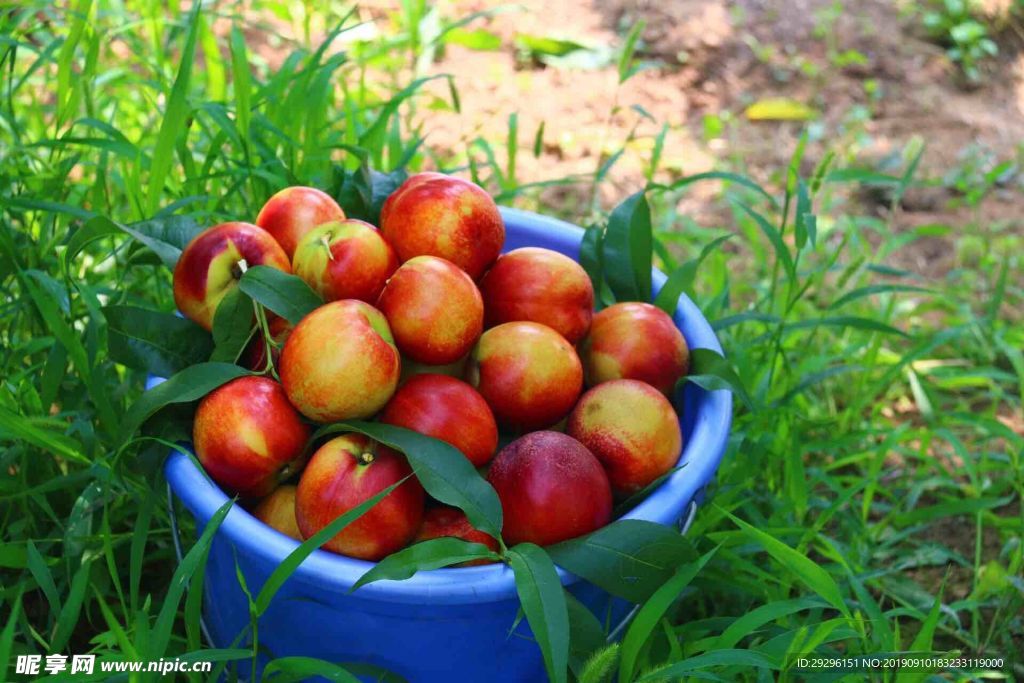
(347, 471)
(631, 428)
(340, 362)
(438, 215)
(247, 435)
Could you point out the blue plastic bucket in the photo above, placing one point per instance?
(442, 625)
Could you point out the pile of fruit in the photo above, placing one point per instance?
(427, 326)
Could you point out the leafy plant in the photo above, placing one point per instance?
(954, 24)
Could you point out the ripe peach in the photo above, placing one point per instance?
(447, 409)
(437, 215)
(445, 522)
(529, 374)
(541, 286)
(551, 489)
(347, 471)
(247, 435)
(278, 511)
(294, 211)
(434, 309)
(340, 362)
(209, 266)
(345, 260)
(631, 428)
(634, 340)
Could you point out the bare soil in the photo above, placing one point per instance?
(866, 66)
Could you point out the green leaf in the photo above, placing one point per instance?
(542, 45)
(174, 118)
(804, 226)
(869, 324)
(232, 326)
(479, 39)
(628, 49)
(860, 175)
(924, 638)
(152, 341)
(165, 237)
(17, 427)
(629, 558)
(432, 554)
(801, 566)
(241, 80)
(871, 290)
(288, 669)
(543, 599)
(7, 635)
(295, 558)
(374, 136)
(590, 258)
(283, 293)
(443, 470)
(44, 579)
(161, 633)
(586, 635)
(712, 371)
(717, 659)
(759, 616)
(72, 608)
(652, 611)
(627, 249)
(715, 175)
(681, 279)
(781, 250)
(189, 385)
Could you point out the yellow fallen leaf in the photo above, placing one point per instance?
(780, 109)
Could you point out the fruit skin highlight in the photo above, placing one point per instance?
(340, 362)
(248, 437)
(438, 215)
(434, 309)
(345, 260)
(529, 375)
(444, 522)
(347, 471)
(294, 211)
(551, 489)
(634, 340)
(541, 286)
(209, 268)
(278, 511)
(448, 409)
(631, 428)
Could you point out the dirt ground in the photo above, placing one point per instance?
(865, 66)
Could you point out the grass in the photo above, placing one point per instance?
(870, 500)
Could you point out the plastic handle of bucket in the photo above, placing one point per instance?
(179, 554)
(685, 521)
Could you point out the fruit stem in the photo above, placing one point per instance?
(365, 458)
(238, 270)
(327, 245)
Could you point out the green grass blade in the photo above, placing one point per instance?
(651, 613)
(174, 120)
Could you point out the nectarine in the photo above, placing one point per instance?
(247, 435)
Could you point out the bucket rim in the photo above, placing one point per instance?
(701, 454)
